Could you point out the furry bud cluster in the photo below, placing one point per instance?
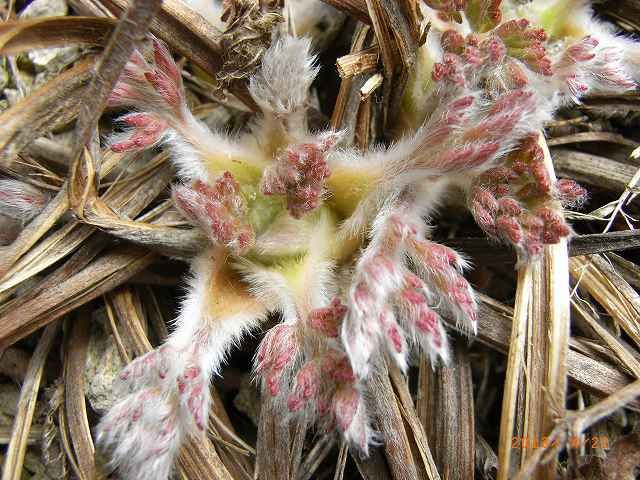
(324, 384)
(143, 84)
(219, 209)
(517, 202)
(299, 174)
(525, 44)
(389, 303)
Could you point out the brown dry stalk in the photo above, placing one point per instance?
(622, 353)
(273, 458)
(397, 448)
(316, 456)
(358, 62)
(554, 331)
(494, 330)
(574, 424)
(445, 398)
(21, 36)
(592, 137)
(397, 42)
(35, 435)
(280, 441)
(414, 425)
(356, 8)
(14, 457)
(341, 463)
(42, 306)
(618, 298)
(348, 101)
(184, 30)
(55, 103)
(593, 170)
(484, 250)
(129, 196)
(75, 410)
(515, 366)
(536, 379)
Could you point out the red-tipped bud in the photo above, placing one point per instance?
(156, 87)
(516, 76)
(526, 44)
(583, 51)
(147, 131)
(509, 228)
(509, 207)
(300, 174)
(219, 210)
(555, 227)
(449, 70)
(170, 92)
(308, 381)
(328, 320)
(569, 192)
(494, 48)
(276, 351)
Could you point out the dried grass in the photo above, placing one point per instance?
(98, 250)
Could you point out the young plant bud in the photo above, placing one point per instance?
(300, 173)
(277, 352)
(219, 210)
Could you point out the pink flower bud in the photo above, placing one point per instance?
(307, 385)
(526, 44)
(147, 131)
(327, 320)
(509, 207)
(449, 70)
(219, 209)
(300, 173)
(515, 74)
(509, 228)
(277, 351)
(494, 48)
(154, 87)
(569, 192)
(583, 51)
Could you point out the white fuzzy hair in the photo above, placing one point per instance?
(270, 287)
(139, 448)
(20, 200)
(315, 278)
(282, 84)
